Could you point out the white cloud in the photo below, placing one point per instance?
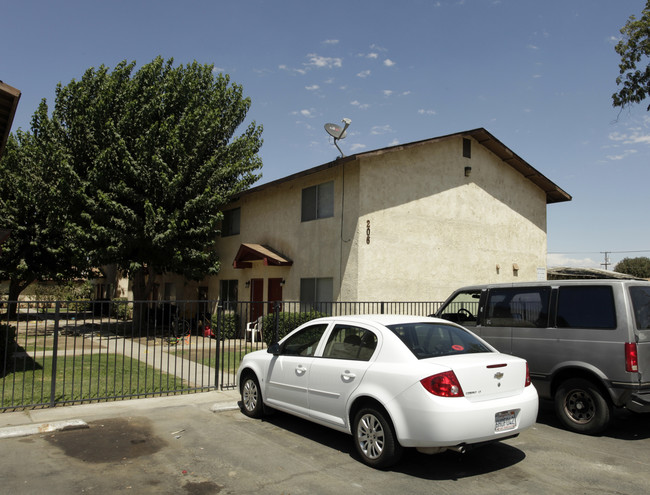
(357, 147)
(372, 55)
(331, 42)
(621, 156)
(380, 129)
(360, 106)
(313, 87)
(422, 111)
(388, 62)
(387, 92)
(559, 259)
(319, 61)
(635, 137)
(394, 142)
(533, 47)
(363, 74)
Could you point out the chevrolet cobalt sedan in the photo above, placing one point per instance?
(392, 382)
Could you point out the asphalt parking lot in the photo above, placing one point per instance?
(202, 444)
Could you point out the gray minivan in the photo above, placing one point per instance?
(587, 342)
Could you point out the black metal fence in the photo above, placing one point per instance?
(70, 352)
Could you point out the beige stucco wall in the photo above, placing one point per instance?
(431, 229)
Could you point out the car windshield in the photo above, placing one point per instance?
(427, 340)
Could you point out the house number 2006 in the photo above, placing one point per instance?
(367, 231)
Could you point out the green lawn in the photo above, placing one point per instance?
(97, 376)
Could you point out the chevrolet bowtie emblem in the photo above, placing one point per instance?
(498, 375)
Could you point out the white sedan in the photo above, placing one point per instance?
(392, 381)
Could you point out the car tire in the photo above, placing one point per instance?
(582, 407)
(375, 439)
(251, 396)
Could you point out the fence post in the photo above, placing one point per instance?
(57, 315)
(217, 365)
(276, 312)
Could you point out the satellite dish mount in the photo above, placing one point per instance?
(337, 132)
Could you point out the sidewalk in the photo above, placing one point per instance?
(29, 422)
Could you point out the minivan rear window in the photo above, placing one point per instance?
(641, 304)
(586, 307)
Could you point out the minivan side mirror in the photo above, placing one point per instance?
(274, 349)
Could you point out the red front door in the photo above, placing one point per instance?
(275, 292)
(257, 298)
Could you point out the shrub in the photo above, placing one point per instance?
(230, 325)
(286, 323)
(121, 309)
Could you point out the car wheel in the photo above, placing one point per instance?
(581, 406)
(375, 440)
(251, 397)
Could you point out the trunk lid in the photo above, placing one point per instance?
(486, 376)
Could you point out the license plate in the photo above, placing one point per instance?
(505, 420)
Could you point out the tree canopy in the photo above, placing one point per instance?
(634, 50)
(637, 267)
(38, 196)
(152, 158)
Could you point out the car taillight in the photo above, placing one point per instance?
(443, 385)
(527, 382)
(631, 358)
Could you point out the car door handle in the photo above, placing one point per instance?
(346, 376)
(300, 370)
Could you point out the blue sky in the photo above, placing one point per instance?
(537, 74)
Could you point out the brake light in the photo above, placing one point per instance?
(443, 385)
(527, 382)
(631, 358)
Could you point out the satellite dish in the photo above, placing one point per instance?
(337, 132)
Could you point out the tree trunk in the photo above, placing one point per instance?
(143, 282)
(15, 288)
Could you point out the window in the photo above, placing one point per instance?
(228, 293)
(231, 222)
(641, 304)
(318, 202)
(305, 342)
(467, 148)
(347, 342)
(586, 307)
(316, 293)
(463, 308)
(426, 340)
(520, 307)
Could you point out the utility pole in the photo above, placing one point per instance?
(607, 263)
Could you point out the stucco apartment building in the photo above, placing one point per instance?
(405, 223)
(410, 222)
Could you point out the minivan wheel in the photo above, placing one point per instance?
(581, 406)
(375, 439)
(251, 397)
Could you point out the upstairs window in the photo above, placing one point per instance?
(231, 221)
(318, 201)
(316, 294)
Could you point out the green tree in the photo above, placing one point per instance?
(633, 48)
(637, 267)
(39, 198)
(157, 154)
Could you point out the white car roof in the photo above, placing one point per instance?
(383, 319)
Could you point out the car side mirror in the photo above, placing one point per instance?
(274, 349)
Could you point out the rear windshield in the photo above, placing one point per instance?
(641, 304)
(426, 340)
